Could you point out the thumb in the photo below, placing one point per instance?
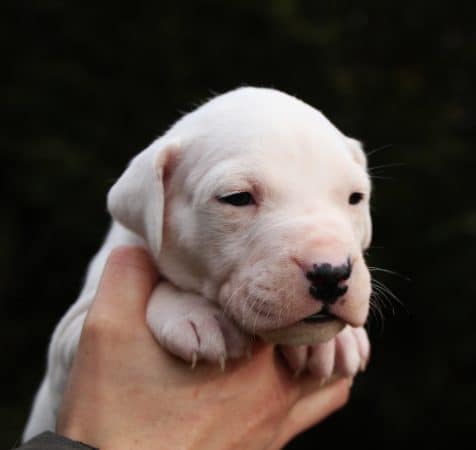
(126, 284)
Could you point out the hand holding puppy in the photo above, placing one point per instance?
(124, 391)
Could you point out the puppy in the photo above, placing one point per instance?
(255, 209)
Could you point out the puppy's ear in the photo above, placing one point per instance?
(359, 156)
(136, 200)
(357, 151)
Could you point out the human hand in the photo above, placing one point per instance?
(125, 392)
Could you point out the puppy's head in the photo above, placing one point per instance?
(256, 201)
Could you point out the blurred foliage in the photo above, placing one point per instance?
(87, 85)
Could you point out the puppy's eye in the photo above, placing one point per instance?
(356, 197)
(238, 199)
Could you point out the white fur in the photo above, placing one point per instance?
(236, 271)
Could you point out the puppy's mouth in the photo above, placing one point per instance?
(320, 317)
(316, 328)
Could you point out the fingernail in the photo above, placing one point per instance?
(221, 361)
(194, 360)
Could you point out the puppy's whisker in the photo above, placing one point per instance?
(243, 308)
(382, 299)
(282, 305)
(390, 272)
(378, 149)
(286, 307)
(247, 307)
(376, 311)
(385, 166)
(260, 308)
(265, 309)
(375, 316)
(388, 293)
(375, 171)
(228, 301)
(255, 307)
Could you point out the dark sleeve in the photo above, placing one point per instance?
(52, 441)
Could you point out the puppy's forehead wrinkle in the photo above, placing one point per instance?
(225, 177)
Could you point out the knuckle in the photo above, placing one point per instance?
(100, 329)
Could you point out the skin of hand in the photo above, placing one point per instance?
(125, 392)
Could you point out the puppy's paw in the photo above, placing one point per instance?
(342, 356)
(194, 329)
(203, 337)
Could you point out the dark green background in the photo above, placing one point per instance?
(86, 85)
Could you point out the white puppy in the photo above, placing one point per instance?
(255, 209)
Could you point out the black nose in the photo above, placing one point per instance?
(326, 281)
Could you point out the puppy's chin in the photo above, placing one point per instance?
(303, 333)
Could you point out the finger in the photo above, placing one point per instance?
(126, 284)
(312, 408)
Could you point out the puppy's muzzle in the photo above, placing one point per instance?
(327, 281)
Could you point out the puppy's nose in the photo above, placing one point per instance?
(327, 281)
